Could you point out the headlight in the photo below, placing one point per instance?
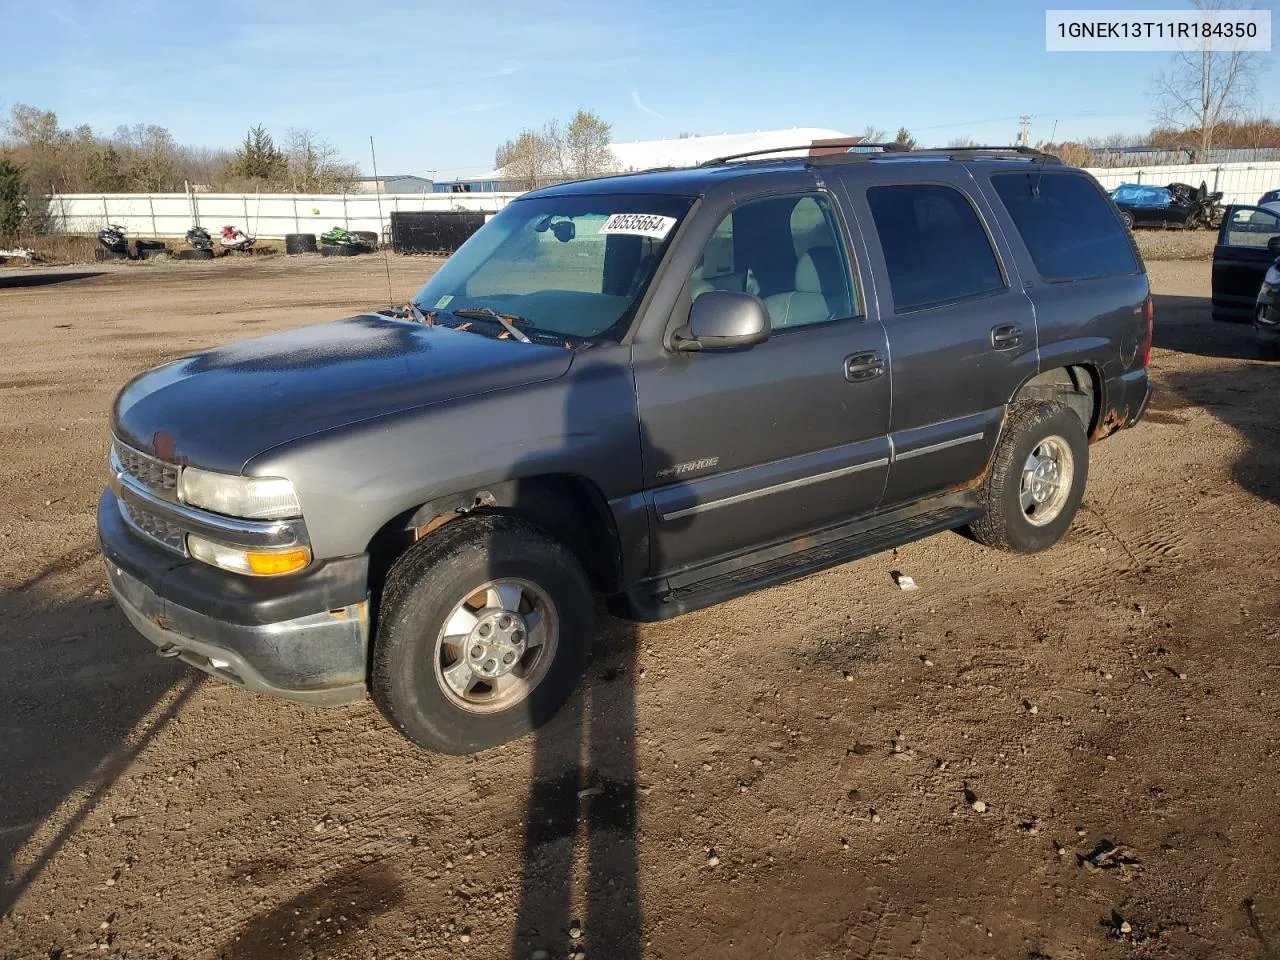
(250, 498)
(257, 563)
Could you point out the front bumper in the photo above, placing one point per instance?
(1266, 314)
(303, 637)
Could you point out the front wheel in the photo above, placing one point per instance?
(483, 634)
(1036, 480)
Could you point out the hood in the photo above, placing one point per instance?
(220, 408)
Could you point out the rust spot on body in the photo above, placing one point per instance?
(1109, 424)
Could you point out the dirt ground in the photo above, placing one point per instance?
(793, 774)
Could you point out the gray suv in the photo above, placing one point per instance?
(667, 388)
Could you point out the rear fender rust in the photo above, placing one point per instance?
(1113, 420)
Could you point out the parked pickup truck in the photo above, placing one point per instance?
(669, 388)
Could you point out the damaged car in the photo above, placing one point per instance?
(1178, 206)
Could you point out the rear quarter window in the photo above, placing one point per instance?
(1067, 225)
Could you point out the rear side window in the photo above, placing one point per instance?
(1067, 225)
(935, 247)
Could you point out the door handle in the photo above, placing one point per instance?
(863, 366)
(1006, 336)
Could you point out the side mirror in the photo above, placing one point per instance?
(1274, 245)
(721, 320)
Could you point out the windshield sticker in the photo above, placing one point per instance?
(444, 301)
(639, 224)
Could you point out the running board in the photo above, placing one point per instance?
(723, 580)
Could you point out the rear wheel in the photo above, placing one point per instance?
(483, 634)
(1036, 480)
(1127, 219)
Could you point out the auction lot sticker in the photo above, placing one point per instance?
(1226, 30)
(639, 224)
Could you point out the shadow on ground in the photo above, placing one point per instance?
(1244, 396)
(1184, 324)
(1245, 399)
(80, 690)
(9, 281)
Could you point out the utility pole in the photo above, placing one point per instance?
(1024, 138)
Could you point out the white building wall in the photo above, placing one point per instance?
(1239, 182)
(273, 215)
(267, 215)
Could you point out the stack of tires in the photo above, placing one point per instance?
(147, 249)
(299, 243)
(194, 254)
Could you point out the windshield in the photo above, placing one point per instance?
(574, 266)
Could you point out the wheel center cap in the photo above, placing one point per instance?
(496, 643)
(1044, 480)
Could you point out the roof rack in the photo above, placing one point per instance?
(861, 148)
(951, 153)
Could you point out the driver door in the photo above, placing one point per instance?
(751, 446)
(1244, 251)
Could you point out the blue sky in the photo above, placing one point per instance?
(440, 85)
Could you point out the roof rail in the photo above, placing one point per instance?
(1031, 152)
(863, 149)
(952, 153)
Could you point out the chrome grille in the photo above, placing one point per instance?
(152, 473)
(152, 525)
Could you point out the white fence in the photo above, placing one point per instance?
(272, 215)
(1239, 182)
(266, 215)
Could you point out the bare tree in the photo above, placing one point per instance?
(1204, 88)
(536, 158)
(528, 160)
(963, 142)
(588, 141)
(555, 143)
(313, 164)
(872, 134)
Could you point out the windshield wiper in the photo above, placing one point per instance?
(507, 320)
(427, 319)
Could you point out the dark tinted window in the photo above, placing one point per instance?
(934, 245)
(1067, 224)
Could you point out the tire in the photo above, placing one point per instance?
(299, 243)
(143, 245)
(194, 255)
(1034, 430)
(152, 253)
(340, 250)
(102, 255)
(370, 238)
(428, 587)
(1127, 219)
